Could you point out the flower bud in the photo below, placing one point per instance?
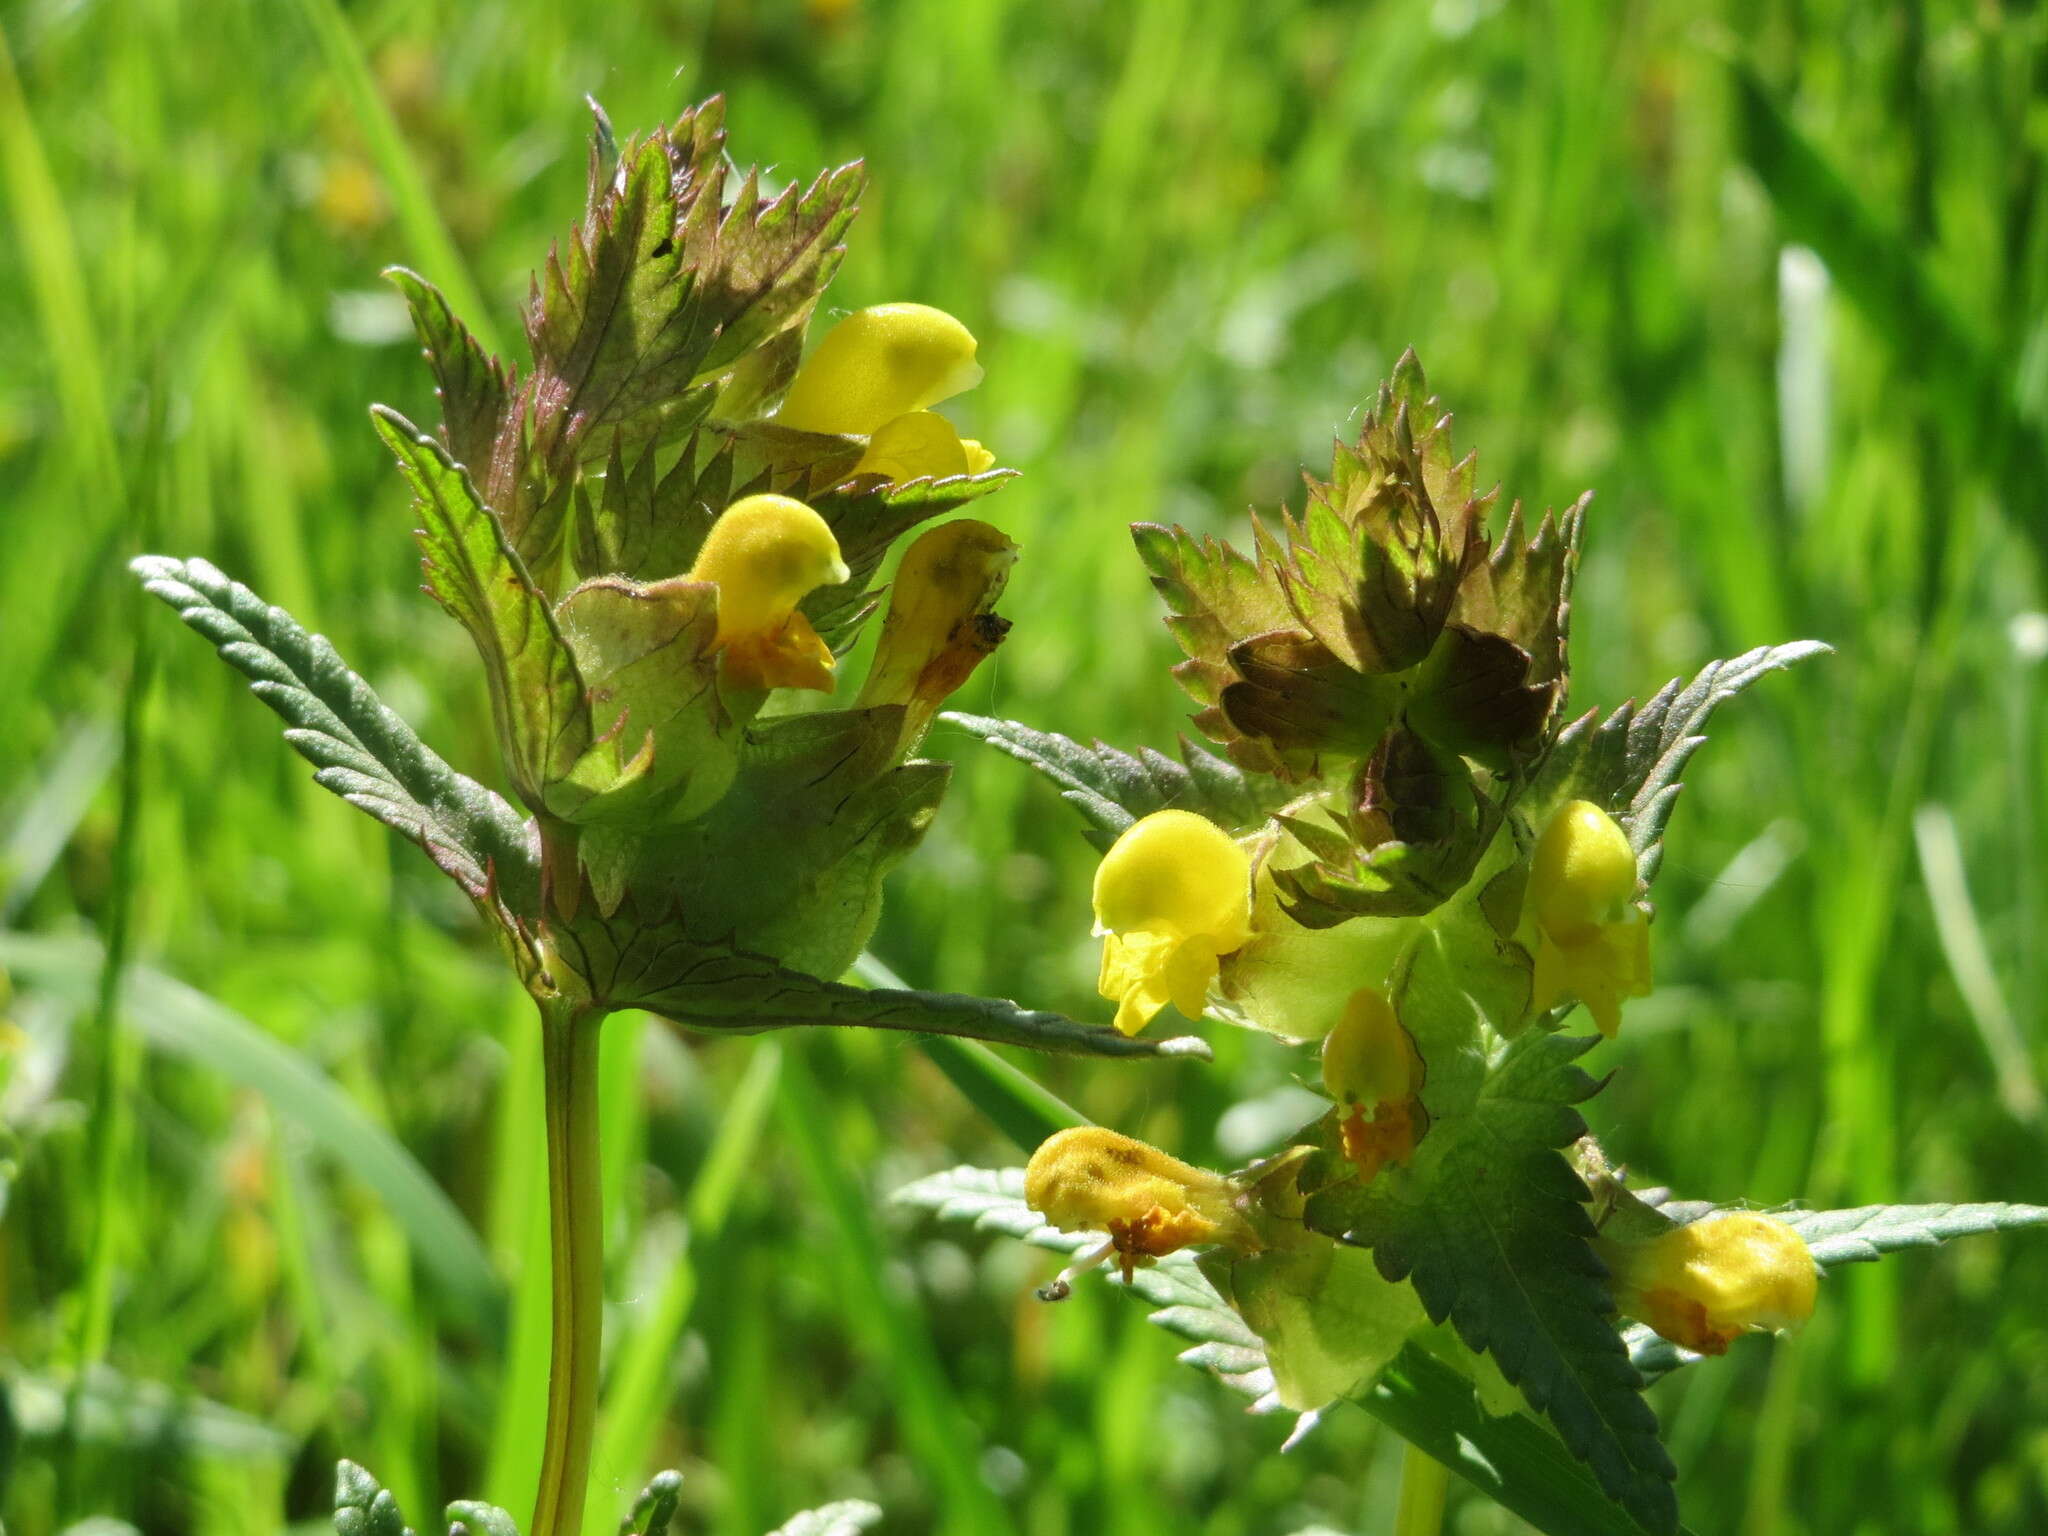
(764, 554)
(1087, 1179)
(878, 364)
(1702, 1284)
(940, 622)
(1590, 940)
(1370, 1067)
(1172, 896)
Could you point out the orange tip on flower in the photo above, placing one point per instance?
(1703, 1284)
(765, 554)
(1087, 1179)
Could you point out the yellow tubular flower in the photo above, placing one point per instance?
(765, 553)
(1702, 1284)
(878, 364)
(1370, 1067)
(1087, 1179)
(1172, 896)
(1590, 940)
(918, 445)
(940, 624)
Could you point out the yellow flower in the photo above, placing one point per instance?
(878, 364)
(1579, 916)
(1702, 1284)
(940, 624)
(919, 445)
(765, 553)
(1172, 896)
(1087, 1179)
(1371, 1068)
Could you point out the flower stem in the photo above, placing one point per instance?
(575, 1225)
(1425, 1482)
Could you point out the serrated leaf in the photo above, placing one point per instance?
(363, 1507)
(537, 694)
(474, 388)
(1515, 1460)
(1113, 788)
(473, 1517)
(1489, 1225)
(1629, 764)
(654, 1508)
(847, 1517)
(715, 987)
(361, 750)
(669, 282)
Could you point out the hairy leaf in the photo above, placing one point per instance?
(363, 1506)
(718, 988)
(537, 695)
(361, 750)
(1515, 1460)
(473, 387)
(1629, 764)
(1489, 1225)
(1112, 788)
(846, 1517)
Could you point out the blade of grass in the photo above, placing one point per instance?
(175, 1017)
(642, 1358)
(888, 1324)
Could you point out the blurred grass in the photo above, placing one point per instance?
(1192, 236)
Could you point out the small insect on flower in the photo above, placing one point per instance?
(1370, 1067)
(1579, 917)
(765, 554)
(1172, 896)
(1087, 1179)
(1703, 1284)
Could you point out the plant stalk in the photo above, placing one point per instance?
(1425, 1484)
(569, 1035)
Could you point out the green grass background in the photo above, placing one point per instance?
(1770, 276)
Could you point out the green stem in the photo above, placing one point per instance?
(576, 1242)
(1425, 1482)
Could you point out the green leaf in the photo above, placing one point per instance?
(537, 694)
(1329, 1321)
(1515, 1460)
(363, 1506)
(361, 750)
(1489, 1224)
(1215, 598)
(474, 388)
(847, 1517)
(175, 1017)
(1629, 763)
(669, 282)
(1112, 788)
(473, 1517)
(655, 1507)
(715, 987)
